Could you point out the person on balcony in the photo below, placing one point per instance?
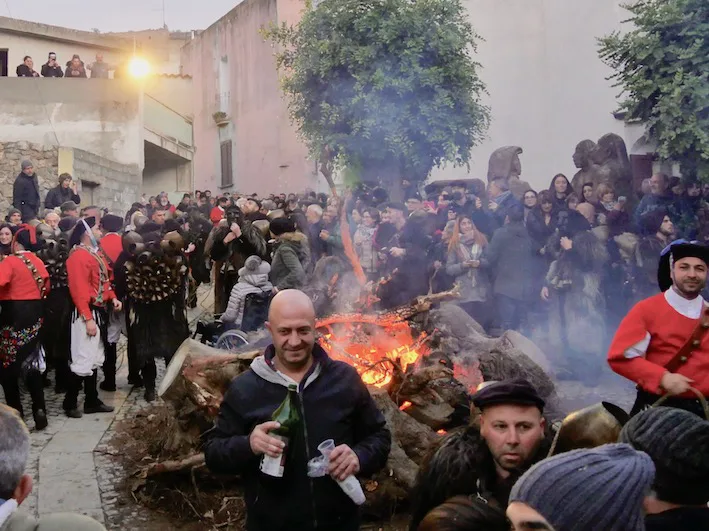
(26, 69)
(51, 68)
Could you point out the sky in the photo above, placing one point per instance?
(119, 15)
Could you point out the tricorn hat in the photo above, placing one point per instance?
(677, 250)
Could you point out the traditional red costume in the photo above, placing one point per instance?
(652, 334)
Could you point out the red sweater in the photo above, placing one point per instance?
(16, 280)
(84, 274)
(669, 331)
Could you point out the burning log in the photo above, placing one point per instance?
(194, 385)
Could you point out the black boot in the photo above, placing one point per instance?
(71, 399)
(35, 385)
(150, 372)
(62, 374)
(92, 404)
(109, 368)
(133, 370)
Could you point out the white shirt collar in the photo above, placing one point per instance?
(691, 309)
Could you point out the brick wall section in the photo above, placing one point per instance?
(119, 185)
(44, 159)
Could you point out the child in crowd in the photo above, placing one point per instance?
(253, 278)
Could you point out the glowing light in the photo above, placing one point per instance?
(405, 405)
(441, 432)
(138, 67)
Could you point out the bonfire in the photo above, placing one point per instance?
(420, 363)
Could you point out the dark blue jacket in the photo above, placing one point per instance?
(336, 405)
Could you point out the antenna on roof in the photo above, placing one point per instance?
(164, 22)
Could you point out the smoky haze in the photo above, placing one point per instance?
(124, 15)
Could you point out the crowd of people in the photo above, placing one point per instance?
(74, 68)
(562, 267)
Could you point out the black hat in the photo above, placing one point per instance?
(111, 223)
(677, 442)
(67, 223)
(80, 229)
(651, 222)
(515, 391)
(678, 250)
(281, 226)
(148, 226)
(27, 236)
(171, 225)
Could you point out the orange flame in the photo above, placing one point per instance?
(369, 351)
(405, 405)
(441, 432)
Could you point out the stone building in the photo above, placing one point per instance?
(241, 123)
(119, 137)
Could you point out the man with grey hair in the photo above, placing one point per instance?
(15, 485)
(501, 200)
(313, 214)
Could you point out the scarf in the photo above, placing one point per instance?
(470, 251)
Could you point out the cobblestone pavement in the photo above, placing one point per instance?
(71, 462)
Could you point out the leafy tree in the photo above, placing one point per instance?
(662, 65)
(386, 88)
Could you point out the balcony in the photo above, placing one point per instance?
(167, 128)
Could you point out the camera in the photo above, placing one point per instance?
(457, 196)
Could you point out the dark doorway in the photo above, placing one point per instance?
(3, 62)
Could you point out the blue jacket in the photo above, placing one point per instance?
(335, 405)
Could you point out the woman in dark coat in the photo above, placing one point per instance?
(560, 189)
(65, 191)
(542, 220)
(291, 257)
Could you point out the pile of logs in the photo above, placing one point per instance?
(420, 403)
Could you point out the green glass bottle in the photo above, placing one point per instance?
(288, 416)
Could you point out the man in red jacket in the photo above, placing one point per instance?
(111, 247)
(662, 344)
(91, 293)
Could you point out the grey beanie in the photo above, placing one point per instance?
(589, 489)
(255, 266)
(26, 164)
(677, 441)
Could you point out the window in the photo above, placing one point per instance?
(3, 62)
(227, 171)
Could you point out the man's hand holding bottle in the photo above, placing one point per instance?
(262, 443)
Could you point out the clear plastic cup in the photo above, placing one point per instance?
(326, 447)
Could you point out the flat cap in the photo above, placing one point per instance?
(514, 391)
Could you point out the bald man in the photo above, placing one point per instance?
(334, 404)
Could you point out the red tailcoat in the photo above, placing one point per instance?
(667, 330)
(16, 280)
(84, 272)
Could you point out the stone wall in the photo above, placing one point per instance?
(101, 181)
(44, 158)
(104, 182)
